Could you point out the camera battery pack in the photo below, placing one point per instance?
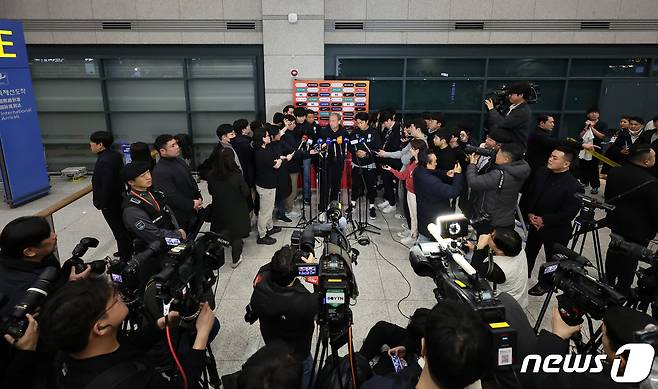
(504, 344)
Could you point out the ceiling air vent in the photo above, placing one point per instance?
(469, 26)
(595, 25)
(117, 26)
(246, 25)
(348, 25)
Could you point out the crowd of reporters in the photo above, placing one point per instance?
(425, 170)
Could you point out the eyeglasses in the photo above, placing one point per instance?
(117, 298)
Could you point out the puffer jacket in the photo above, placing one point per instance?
(499, 196)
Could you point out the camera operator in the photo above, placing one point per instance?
(272, 366)
(500, 188)
(172, 176)
(506, 246)
(552, 205)
(633, 191)
(285, 308)
(470, 199)
(432, 194)
(145, 213)
(456, 349)
(619, 325)
(27, 245)
(517, 121)
(83, 321)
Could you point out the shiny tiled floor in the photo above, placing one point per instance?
(379, 273)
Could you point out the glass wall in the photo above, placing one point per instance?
(457, 86)
(137, 98)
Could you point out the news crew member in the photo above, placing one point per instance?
(619, 325)
(172, 176)
(517, 121)
(335, 160)
(83, 321)
(27, 246)
(285, 308)
(633, 191)
(500, 187)
(432, 194)
(363, 142)
(552, 206)
(109, 189)
(145, 213)
(456, 348)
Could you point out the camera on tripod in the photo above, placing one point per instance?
(589, 205)
(582, 294)
(333, 273)
(456, 279)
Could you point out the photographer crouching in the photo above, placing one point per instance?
(285, 308)
(83, 320)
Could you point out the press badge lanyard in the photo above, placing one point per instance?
(154, 204)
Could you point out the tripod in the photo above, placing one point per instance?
(583, 225)
(363, 225)
(335, 337)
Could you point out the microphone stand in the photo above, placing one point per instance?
(363, 226)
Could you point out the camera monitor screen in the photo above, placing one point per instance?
(307, 270)
(452, 226)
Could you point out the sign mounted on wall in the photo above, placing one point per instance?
(325, 97)
(22, 158)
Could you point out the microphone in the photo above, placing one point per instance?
(362, 140)
(304, 138)
(340, 144)
(309, 143)
(318, 143)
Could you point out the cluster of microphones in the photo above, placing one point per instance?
(339, 145)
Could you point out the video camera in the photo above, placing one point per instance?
(333, 273)
(188, 274)
(588, 207)
(499, 96)
(582, 294)
(470, 149)
(456, 279)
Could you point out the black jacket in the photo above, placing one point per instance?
(172, 176)
(335, 151)
(540, 146)
(285, 313)
(146, 223)
(283, 183)
(230, 208)
(108, 187)
(553, 199)
(517, 123)
(245, 152)
(265, 173)
(371, 143)
(392, 142)
(433, 196)
(635, 217)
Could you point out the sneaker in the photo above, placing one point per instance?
(268, 240)
(408, 241)
(404, 234)
(283, 218)
(389, 209)
(373, 213)
(116, 255)
(293, 214)
(398, 216)
(274, 230)
(594, 191)
(236, 264)
(383, 204)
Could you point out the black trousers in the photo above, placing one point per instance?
(620, 270)
(330, 181)
(383, 333)
(361, 176)
(390, 187)
(547, 238)
(589, 172)
(113, 217)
